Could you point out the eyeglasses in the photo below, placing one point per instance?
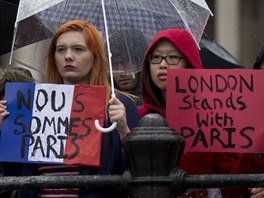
(170, 59)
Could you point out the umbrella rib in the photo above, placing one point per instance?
(186, 26)
(13, 43)
(109, 51)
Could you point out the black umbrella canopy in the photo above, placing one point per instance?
(214, 56)
(8, 10)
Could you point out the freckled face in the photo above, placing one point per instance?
(73, 58)
(158, 72)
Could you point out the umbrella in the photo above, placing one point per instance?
(214, 56)
(42, 17)
(147, 16)
(128, 48)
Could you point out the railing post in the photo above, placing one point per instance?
(153, 150)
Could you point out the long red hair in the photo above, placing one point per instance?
(98, 74)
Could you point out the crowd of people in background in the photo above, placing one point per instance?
(77, 55)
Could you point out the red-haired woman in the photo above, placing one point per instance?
(76, 55)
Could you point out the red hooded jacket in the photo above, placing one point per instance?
(194, 162)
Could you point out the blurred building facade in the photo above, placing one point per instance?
(238, 25)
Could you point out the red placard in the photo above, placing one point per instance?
(217, 110)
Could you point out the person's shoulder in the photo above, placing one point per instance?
(142, 108)
(142, 111)
(125, 99)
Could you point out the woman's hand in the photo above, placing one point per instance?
(117, 113)
(3, 111)
(256, 192)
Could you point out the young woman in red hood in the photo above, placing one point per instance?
(175, 48)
